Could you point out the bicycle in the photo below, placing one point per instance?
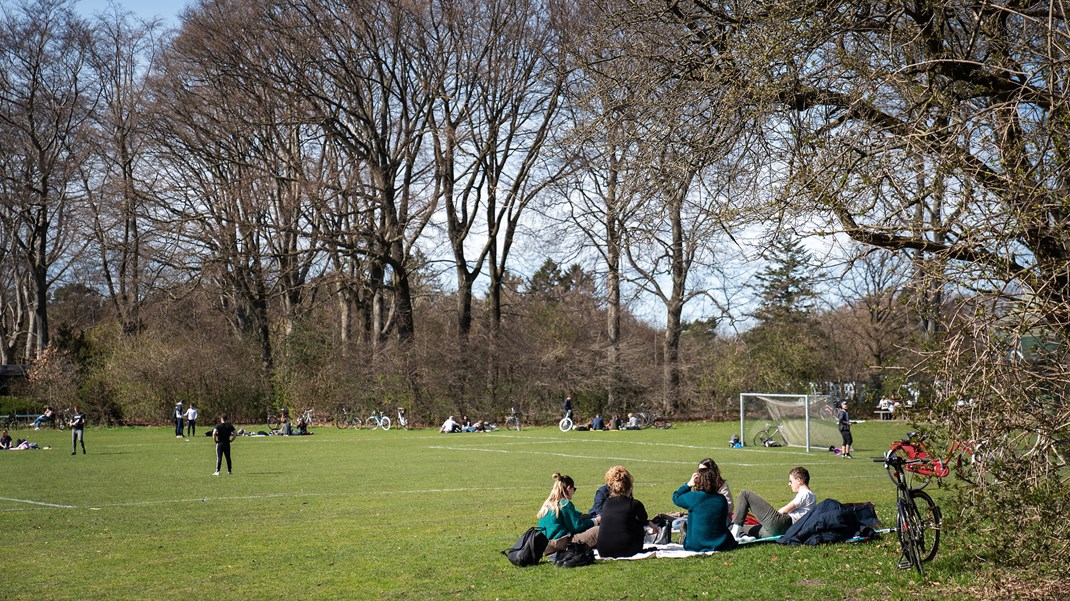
(971, 461)
(566, 422)
(918, 528)
(403, 419)
(347, 420)
(646, 420)
(307, 417)
(377, 420)
(273, 420)
(63, 420)
(512, 421)
(771, 436)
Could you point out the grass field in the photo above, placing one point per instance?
(412, 515)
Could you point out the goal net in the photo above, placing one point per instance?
(805, 420)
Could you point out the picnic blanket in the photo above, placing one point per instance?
(674, 551)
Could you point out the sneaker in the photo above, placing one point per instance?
(74, 452)
(744, 538)
(215, 473)
(848, 456)
(736, 531)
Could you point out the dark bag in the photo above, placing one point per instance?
(574, 556)
(528, 550)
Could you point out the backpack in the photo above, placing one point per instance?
(574, 556)
(528, 550)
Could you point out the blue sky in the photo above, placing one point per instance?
(146, 9)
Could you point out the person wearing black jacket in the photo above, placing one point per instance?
(623, 519)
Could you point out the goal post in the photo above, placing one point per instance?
(806, 420)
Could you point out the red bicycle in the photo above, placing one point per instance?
(969, 459)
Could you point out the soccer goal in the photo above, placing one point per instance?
(794, 420)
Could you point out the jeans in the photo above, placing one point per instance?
(222, 450)
(773, 522)
(77, 436)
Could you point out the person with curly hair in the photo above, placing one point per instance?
(707, 518)
(559, 519)
(624, 520)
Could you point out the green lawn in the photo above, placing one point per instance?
(412, 515)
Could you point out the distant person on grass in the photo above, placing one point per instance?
(774, 522)
(703, 496)
(844, 422)
(450, 426)
(77, 425)
(5, 441)
(179, 412)
(223, 435)
(559, 519)
(191, 421)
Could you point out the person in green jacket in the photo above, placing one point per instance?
(707, 518)
(559, 519)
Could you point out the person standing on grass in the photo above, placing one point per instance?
(191, 421)
(568, 406)
(223, 435)
(77, 425)
(178, 413)
(844, 422)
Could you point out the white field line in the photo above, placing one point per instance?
(30, 502)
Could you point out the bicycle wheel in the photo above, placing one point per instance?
(356, 422)
(341, 422)
(761, 437)
(372, 422)
(911, 476)
(385, 423)
(778, 439)
(908, 525)
(930, 520)
(565, 424)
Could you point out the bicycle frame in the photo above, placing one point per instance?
(913, 448)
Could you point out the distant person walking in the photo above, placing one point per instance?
(568, 405)
(191, 421)
(179, 412)
(77, 425)
(223, 435)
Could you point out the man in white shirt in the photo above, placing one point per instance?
(774, 522)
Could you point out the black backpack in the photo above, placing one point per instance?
(528, 550)
(574, 556)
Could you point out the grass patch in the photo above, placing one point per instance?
(415, 515)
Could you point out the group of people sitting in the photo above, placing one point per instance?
(6, 444)
(465, 425)
(618, 525)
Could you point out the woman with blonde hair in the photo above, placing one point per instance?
(623, 519)
(558, 517)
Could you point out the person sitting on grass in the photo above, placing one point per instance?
(450, 426)
(5, 441)
(774, 522)
(559, 519)
(623, 521)
(703, 496)
(633, 422)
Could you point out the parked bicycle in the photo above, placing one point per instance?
(377, 420)
(969, 458)
(403, 419)
(512, 421)
(771, 436)
(918, 520)
(347, 419)
(646, 419)
(307, 418)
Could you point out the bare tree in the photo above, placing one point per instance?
(45, 102)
